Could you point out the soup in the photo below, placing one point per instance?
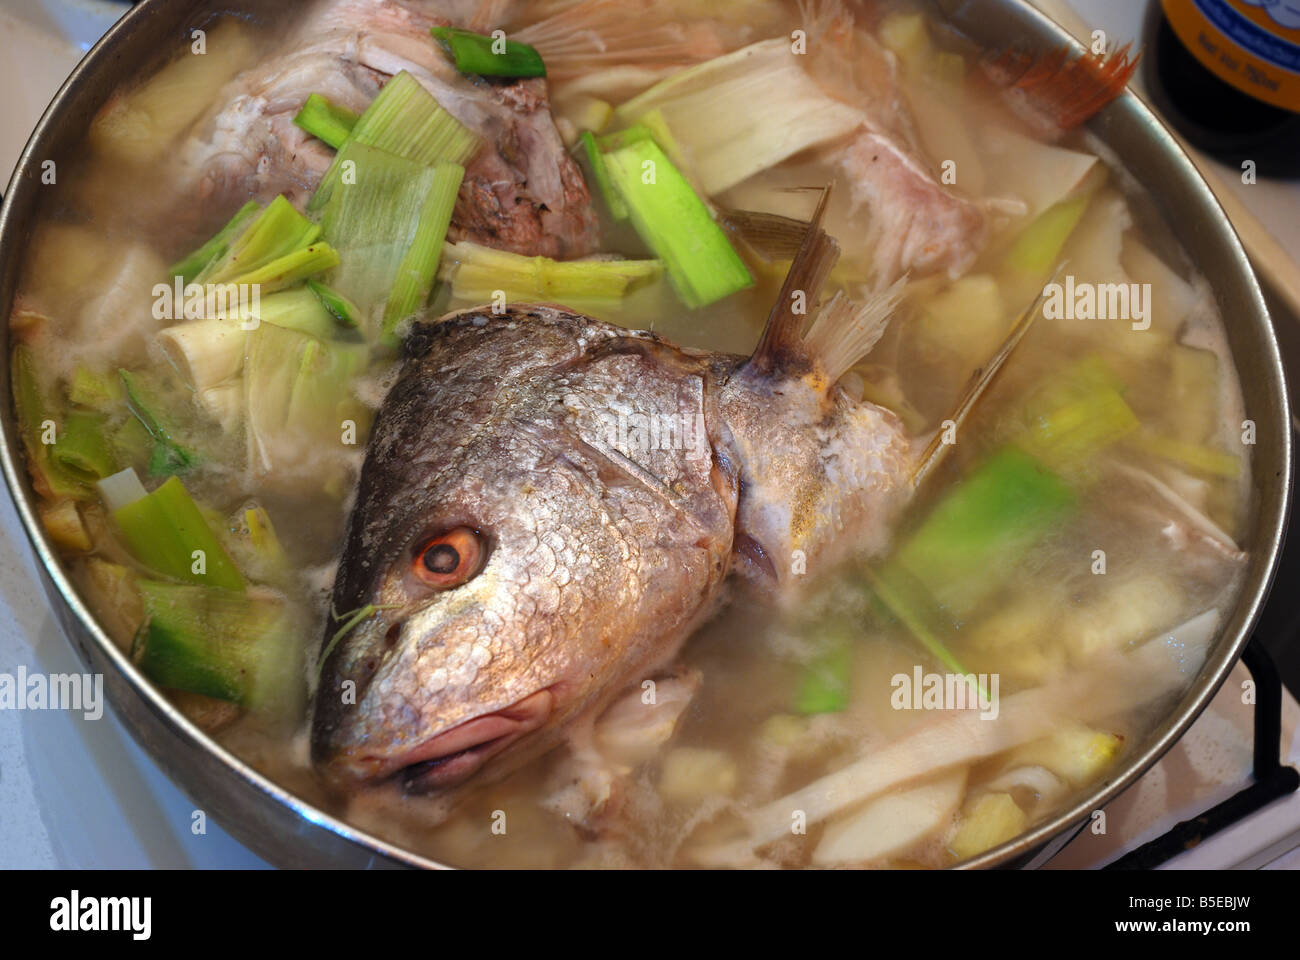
(238, 278)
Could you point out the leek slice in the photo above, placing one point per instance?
(34, 415)
(82, 449)
(600, 174)
(278, 231)
(223, 644)
(339, 307)
(482, 56)
(675, 223)
(170, 454)
(166, 531)
(404, 120)
(216, 248)
(389, 227)
(477, 273)
(326, 121)
(297, 395)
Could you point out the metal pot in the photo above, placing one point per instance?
(1173, 202)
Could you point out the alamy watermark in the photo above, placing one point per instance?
(919, 690)
(53, 691)
(193, 301)
(1098, 301)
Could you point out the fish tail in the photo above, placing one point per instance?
(1059, 91)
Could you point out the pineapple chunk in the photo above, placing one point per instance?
(992, 819)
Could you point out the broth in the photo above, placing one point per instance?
(787, 694)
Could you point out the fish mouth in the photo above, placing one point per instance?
(453, 756)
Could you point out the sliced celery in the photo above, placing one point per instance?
(477, 273)
(596, 164)
(218, 643)
(675, 223)
(216, 248)
(404, 120)
(166, 532)
(277, 232)
(478, 55)
(171, 453)
(326, 121)
(35, 420)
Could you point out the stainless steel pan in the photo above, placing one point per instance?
(1173, 202)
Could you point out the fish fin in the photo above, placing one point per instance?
(1058, 93)
(846, 330)
(936, 450)
(781, 345)
(770, 235)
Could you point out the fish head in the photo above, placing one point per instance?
(505, 584)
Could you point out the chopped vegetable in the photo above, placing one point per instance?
(171, 454)
(476, 273)
(744, 112)
(207, 352)
(119, 608)
(340, 307)
(216, 248)
(407, 121)
(1077, 753)
(278, 234)
(581, 114)
(1038, 248)
(483, 56)
(37, 424)
(219, 643)
(389, 227)
(1076, 416)
(973, 537)
(827, 679)
(82, 449)
(892, 823)
(674, 222)
(600, 174)
(1194, 456)
(62, 521)
(693, 773)
(326, 121)
(101, 392)
(166, 531)
(992, 819)
(298, 393)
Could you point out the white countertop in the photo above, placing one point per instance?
(80, 793)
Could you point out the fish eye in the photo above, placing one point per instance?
(449, 559)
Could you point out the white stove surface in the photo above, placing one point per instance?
(78, 793)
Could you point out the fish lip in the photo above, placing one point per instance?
(453, 756)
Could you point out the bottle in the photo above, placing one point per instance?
(1226, 75)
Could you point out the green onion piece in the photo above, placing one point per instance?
(278, 231)
(83, 449)
(218, 643)
(971, 540)
(404, 120)
(1038, 249)
(338, 306)
(908, 600)
(167, 533)
(170, 454)
(676, 224)
(298, 309)
(190, 267)
(419, 267)
(36, 423)
(596, 164)
(476, 273)
(482, 56)
(325, 120)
